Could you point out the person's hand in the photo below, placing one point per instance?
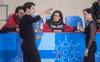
(17, 29)
(86, 52)
(81, 30)
(49, 11)
(45, 13)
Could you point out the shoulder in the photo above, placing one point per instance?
(93, 24)
(27, 16)
(10, 16)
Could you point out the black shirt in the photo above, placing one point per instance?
(90, 32)
(26, 27)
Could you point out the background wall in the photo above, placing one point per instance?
(68, 7)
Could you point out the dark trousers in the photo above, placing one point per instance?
(30, 52)
(91, 53)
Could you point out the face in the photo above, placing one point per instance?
(56, 17)
(20, 13)
(86, 15)
(31, 10)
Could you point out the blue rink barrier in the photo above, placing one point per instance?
(53, 47)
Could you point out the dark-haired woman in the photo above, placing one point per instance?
(56, 24)
(90, 32)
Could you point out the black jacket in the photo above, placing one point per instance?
(90, 32)
(26, 27)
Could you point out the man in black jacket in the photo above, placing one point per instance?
(30, 52)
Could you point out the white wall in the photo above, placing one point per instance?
(68, 7)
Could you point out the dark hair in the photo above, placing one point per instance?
(60, 14)
(90, 11)
(18, 8)
(28, 5)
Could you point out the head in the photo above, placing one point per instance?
(88, 14)
(29, 8)
(57, 16)
(19, 11)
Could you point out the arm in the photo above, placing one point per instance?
(42, 15)
(46, 28)
(35, 19)
(68, 28)
(92, 35)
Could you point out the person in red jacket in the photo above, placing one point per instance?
(56, 24)
(13, 20)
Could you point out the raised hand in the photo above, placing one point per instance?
(49, 11)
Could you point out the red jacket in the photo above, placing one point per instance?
(66, 28)
(98, 30)
(11, 22)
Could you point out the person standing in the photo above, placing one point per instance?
(29, 49)
(90, 32)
